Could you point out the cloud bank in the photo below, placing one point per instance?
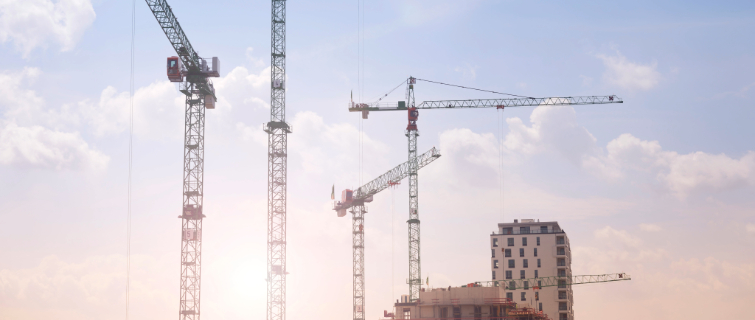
(31, 24)
(555, 130)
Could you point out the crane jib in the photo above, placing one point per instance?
(387, 179)
(487, 103)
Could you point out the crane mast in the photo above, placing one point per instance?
(355, 201)
(200, 95)
(277, 155)
(415, 276)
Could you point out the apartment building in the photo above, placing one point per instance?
(534, 249)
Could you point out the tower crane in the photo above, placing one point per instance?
(277, 160)
(355, 200)
(192, 73)
(559, 281)
(415, 277)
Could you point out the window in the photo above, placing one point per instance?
(510, 242)
(524, 241)
(559, 240)
(524, 230)
(492, 252)
(543, 229)
(521, 274)
(507, 252)
(508, 274)
(512, 285)
(540, 306)
(511, 264)
(562, 283)
(457, 313)
(495, 264)
(477, 312)
(525, 264)
(539, 283)
(494, 313)
(521, 252)
(563, 316)
(444, 313)
(407, 313)
(507, 231)
(537, 296)
(526, 285)
(561, 262)
(493, 274)
(562, 294)
(536, 251)
(524, 296)
(538, 263)
(562, 272)
(510, 296)
(560, 251)
(495, 242)
(538, 241)
(562, 306)
(536, 273)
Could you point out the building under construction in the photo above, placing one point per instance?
(531, 279)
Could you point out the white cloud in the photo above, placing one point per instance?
(681, 174)
(553, 129)
(158, 111)
(629, 75)
(608, 233)
(22, 105)
(38, 147)
(256, 62)
(467, 71)
(322, 147)
(242, 87)
(469, 169)
(649, 227)
(36, 23)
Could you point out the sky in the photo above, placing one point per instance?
(659, 187)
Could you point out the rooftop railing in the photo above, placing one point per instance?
(531, 231)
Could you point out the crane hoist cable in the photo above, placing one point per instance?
(130, 158)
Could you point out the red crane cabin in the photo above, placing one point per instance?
(174, 69)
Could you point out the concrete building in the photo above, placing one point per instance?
(521, 250)
(533, 249)
(473, 301)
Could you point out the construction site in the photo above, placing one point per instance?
(504, 296)
(521, 268)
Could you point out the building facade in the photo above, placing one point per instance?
(533, 249)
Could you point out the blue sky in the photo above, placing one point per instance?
(659, 187)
